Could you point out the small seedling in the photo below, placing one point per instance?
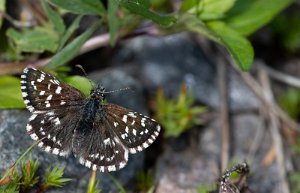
(93, 184)
(26, 178)
(144, 180)
(290, 102)
(295, 182)
(178, 115)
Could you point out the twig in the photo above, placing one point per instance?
(274, 128)
(94, 43)
(17, 67)
(16, 23)
(288, 79)
(273, 107)
(222, 83)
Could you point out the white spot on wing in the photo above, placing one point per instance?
(58, 90)
(116, 124)
(56, 121)
(41, 144)
(106, 141)
(143, 122)
(34, 136)
(33, 116)
(49, 97)
(111, 168)
(47, 149)
(55, 151)
(28, 128)
(124, 119)
(134, 132)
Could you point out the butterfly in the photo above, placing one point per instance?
(64, 121)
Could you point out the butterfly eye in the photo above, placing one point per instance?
(92, 91)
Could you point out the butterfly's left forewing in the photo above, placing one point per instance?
(42, 92)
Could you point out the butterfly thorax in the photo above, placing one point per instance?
(92, 108)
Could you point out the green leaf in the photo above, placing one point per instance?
(113, 20)
(71, 29)
(70, 51)
(87, 7)
(81, 83)
(214, 9)
(249, 15)
(194, 24)
(290, 102)
(2, 9)
(138, 8)
(188, 4)
(10, 93)
(35, 40)
(237, 45)
(55, 18)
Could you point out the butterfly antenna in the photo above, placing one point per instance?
(85, 74)
(121, 89)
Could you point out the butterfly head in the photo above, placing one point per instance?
(98, 93)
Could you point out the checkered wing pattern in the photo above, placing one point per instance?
(54, 130)
(98, 147)
(136, 131)
(100, 135)
(42, 92)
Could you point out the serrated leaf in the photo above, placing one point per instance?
(71, 29)
(70, 51)
(35, 40)
(55, 18)
(87, 7)
(2, 9)
(237, 45)
(113, 20)
(53, 177)
(139, 9)
(10, 93)
(249, 15)
(81, 83)
(10, 188)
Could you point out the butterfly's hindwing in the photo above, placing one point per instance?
(42, 91)
(99, 148)
(135, 130)
(54, 129)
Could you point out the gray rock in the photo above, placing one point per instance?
(172, 60)
(183, 170)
